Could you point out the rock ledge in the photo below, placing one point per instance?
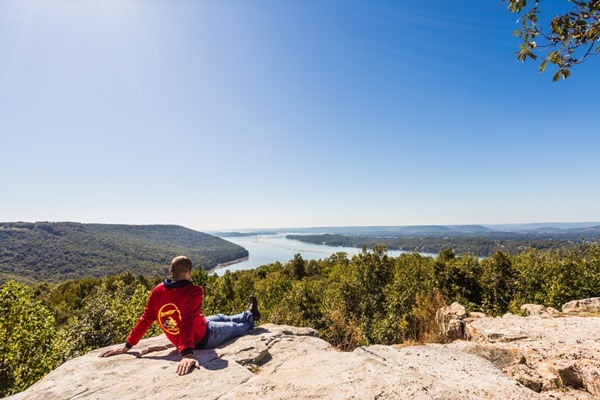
(280, 362)
(552, 353)
(547, 355)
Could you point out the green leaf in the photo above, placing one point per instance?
(543, 65)
(556, 77)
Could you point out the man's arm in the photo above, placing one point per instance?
(187, 363)
(145, 321)
(114, 352)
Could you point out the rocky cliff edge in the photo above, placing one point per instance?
(512, 357)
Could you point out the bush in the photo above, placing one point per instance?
(26, 339)
(107, 317)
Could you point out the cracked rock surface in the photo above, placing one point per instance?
(556, 356)
(282, 362)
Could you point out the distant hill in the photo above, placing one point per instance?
(470, 228)
(384, 231)
(425, 229)
(56, 251)
(568, 230)
(242, 234)
(475, 239)
(544, 226)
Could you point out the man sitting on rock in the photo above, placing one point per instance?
(177, 306)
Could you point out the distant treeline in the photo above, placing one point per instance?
(482, 245)
(366, 299)
(243, 234)
(57, 251)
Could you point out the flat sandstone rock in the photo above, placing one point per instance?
(280, 362)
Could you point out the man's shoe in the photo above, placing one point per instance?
(253, 307)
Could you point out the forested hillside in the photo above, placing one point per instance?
(481, 244)
(56, 251)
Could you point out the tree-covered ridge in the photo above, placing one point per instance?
(57, 251)
(479, 244)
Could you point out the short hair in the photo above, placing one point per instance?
(180, 265)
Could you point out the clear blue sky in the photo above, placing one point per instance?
(250, 114)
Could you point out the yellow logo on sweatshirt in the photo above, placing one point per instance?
(169, 318)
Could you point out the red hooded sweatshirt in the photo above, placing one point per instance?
(177, 306)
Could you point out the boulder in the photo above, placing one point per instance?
(585, 306)
(449, 322)
(500, 356)
(506, 335)
(537, 310)
(526, 376)
(568, 373)
(533, 310)
(475, 314)
(553, 312)
(590, 375)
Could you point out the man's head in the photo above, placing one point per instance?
(181, 268)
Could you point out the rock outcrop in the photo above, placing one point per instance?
(280, 362)
(549, 352)
(451, 322)
(585, 306)
(537, 310)
(547, 355)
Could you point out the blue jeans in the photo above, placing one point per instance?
(220, 328)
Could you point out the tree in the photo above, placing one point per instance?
(302, 306)
(26, 333)
(298, 266)
(413, 280)
(569, 38)
(498, 283)
(107, 317)
(457, 278)
(363, 289)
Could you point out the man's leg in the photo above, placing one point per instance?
(218, 318)
(238, 318)
(221, 328)
(253, 307)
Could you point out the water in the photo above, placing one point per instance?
(267, 249)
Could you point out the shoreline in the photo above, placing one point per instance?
(228, 263)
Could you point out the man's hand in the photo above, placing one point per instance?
(186, 364)
(113, 352)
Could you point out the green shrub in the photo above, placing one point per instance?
(26, 338)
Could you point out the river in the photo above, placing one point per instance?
(267, 249)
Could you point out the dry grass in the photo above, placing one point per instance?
(424, 311)
(344, 332)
